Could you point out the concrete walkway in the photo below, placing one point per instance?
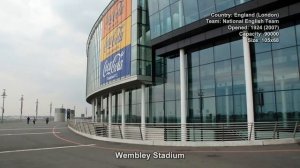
(54, 145)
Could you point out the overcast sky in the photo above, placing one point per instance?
(43, 54)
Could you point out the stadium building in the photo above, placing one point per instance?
(160, 66)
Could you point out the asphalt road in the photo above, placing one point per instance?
(55, 146)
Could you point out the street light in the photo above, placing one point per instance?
(22, 99)
(36, 108)
(50, 110)
(3, 96)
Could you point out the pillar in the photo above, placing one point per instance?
(143, 116)
(123, 113)
(101, 109)
(183, 93)
(249, 88)
(96, 111)
(93, 110)
(109, 113)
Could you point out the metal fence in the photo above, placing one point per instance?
(194, 131)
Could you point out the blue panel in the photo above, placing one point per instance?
(116, 66)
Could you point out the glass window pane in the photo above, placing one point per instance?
(177, 63)
(157, 93)
(207, 79)
(208, 110)
(191, 13)
(223, 78)
(170, 115)
(170, 64)
(172, 1)
(288, 106)
(165, 20)
(224, 4)
(240, 108)
(224, 109)
(177, 82)
(206, 7)
(153, 6)
(162, 4)
(156, 114)
(238, 76)
(298, 34)
(193, 82)
(286, 38)
(206, 56)
(177, 15)
(236, 48)
(170, 86)
(265, 109)
(193, 59)
(194, 111)
(222, 52)
(262, 47)
(155, 25)
(262, 71)
(286, 70)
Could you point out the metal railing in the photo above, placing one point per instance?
(194, 131)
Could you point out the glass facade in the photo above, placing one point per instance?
(216, 83)
(216, 88)
(168, 15)
(276, 78)
(140, 51)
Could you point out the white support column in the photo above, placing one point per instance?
(143, 116)
(97, 110)
(123, 113)
(93, 110)
(183, 93)
(109, 114)
(249, 88)
(101, 109)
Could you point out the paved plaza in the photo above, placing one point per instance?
(54, 145)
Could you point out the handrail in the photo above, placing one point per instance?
(240, 131)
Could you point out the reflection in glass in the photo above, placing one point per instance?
(286, 69)
(193, 82)
(191, 12)
(222, 52)
(170, 86)
(224, 4)
(165, 20)
(263, 72)
(288, 106)
(207, 79)
(287, 38)
(206, 7)
(177, 15)
(265, 109)
(207, 55)
(238, 76)
(223, 78)
(224, 109)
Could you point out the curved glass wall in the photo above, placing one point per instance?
(276, 77)
(138, 50)
(168, 15)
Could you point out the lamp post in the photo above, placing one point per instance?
(3, 96)
(36, 108)
(22, 99)
(50, 110)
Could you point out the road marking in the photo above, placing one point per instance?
(37, 133)
(41, 149)
(8, 129)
